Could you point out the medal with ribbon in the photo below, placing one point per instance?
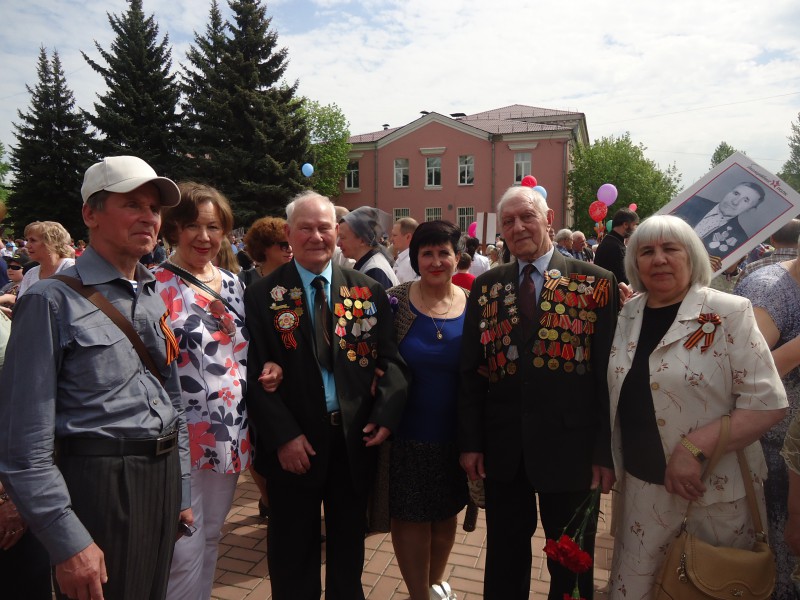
(708, 327)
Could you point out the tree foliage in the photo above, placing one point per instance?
(723, 151)
(4, 169)
(617, 160)
(254, 133)
(790, 172)
(330, 132)
(51, 154)
(137, 115)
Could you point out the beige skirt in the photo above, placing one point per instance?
(649, 520)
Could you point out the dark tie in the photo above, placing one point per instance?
(322, 324)
(527, 296)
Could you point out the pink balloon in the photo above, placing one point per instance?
(528, 181)
(472, 229)
(607, 194)
(633, 206)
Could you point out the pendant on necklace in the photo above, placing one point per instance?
(439, 335)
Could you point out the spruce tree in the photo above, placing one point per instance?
(790, 172)
(137, 115)
(255, 136)
(51, 154)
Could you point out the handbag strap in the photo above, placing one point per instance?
(95, 297)
(186, 276)
(750, 491)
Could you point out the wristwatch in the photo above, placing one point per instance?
(696, 452)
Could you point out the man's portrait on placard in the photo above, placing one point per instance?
(730, 209)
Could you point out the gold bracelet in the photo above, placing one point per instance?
(696, 452)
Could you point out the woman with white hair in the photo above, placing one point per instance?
(683, 356)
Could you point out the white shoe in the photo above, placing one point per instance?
(437, 593)
(449, 594)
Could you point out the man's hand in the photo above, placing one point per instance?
(603, 477)
(375, 435)
(271, 376)
(472, 463)
(81, 576)
(293, 455)
(373, 388)
(12, 527)
(716, 263)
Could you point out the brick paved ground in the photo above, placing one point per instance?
(242, 566)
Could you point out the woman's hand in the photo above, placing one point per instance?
(271, 376)
(683, 474)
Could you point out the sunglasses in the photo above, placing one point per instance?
(285, 246)
(14, 268)
(225, 322)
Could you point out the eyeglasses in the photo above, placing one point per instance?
(14, 267)
(285, 246)
(225, 322)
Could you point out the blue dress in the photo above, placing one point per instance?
(426, 483)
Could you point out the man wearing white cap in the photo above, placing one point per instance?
(95, 451)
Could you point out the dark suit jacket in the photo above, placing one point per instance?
(724, 239)
(554, 416)
(298, 406)
(610, 255)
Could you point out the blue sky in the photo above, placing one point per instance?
(679, 76)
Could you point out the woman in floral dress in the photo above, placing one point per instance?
(213, 372)
(683, 356)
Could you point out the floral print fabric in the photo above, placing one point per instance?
(213, 370)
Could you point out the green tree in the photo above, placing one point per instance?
(51, 154)
(330, 132)
(790, 172)
(4, 169)
(723, 151)
(619, 161)
(137, 115)
(259, 118)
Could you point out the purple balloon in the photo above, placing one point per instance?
(607, 194)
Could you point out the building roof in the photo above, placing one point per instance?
(517, 118)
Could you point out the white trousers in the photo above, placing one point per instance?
(191, 575)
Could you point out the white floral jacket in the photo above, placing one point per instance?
(691, 388)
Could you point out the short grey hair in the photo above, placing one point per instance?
(521, 191)
(307, 196)
(563, 234)
(668, 228)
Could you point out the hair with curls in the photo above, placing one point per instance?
(666, 228)
(55, 238)
(194, 195)
(264, 233)
(434, 233)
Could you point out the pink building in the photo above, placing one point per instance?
(452, 168)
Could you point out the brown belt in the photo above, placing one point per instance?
(334, 418)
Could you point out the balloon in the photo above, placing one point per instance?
(598, 211)
(528, 181)
(608, 225)
(607, 194)
(541, 190)
(308, 169)
(633, 206)
(472, 229)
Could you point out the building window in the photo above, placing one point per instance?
(433, 214)
(433, 169)
(465, 216)
(522, 165)
(466, 170)
(351, 179)
(400, 172)
(400, 213)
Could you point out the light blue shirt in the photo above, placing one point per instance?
(307, 277)
(539, 267)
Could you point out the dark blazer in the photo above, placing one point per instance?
(551, 412)
(298, 406)
(724, 239)
(610, 255)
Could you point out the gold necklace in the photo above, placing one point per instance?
(209, 280)
(439, 334)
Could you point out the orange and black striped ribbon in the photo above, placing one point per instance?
(697, 335)
(172, 342)
(600, 294)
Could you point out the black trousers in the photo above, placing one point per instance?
(25, 570)
(130, 505)
(511, 520)
(293, 537)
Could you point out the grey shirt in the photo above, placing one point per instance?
(70, 371)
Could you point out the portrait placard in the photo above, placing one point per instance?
(734, 207)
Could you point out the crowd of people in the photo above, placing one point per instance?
(143, 374)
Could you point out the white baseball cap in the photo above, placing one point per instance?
(124, 174)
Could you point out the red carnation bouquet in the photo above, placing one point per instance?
(568, 551)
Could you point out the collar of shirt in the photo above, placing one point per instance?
(307, 277)
(93, 269)
(713, 220)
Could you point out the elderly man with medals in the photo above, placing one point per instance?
(533, 408)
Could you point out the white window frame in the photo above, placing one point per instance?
(433, 213)
(400, 213)
(433, 172)
(466, 169)
(352, 177)
(465, 216)
(401, 172)
(523, 166)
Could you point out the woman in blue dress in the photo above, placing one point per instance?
(427, 488)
